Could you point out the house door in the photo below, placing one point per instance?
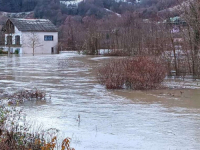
(52, 50)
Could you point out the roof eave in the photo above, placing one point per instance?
(35, 31)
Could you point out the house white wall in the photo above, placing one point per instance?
(45, 46)
(25, 48)
(17, 33)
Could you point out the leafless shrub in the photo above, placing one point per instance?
(144, 73)
(111, 74)
(138, 73)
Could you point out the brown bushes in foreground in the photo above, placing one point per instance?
(16, 133)
(138, 73)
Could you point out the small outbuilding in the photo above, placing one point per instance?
(30, 36)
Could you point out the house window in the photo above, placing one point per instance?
(9, 40)
(17, 40)
(48, 37)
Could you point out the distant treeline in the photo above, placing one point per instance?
(57, 13)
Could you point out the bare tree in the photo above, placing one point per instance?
(191, 11)
(33, 41)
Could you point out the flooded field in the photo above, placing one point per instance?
(109, 120)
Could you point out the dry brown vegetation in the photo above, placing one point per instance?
(138, 73)
(16, 133)
(176, 41)
(22, 96)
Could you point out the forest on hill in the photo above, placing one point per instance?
(53, 9)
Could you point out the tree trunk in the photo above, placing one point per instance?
(175, 58)
(9, 51)
(196, 49)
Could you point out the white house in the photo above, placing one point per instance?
(30, 36)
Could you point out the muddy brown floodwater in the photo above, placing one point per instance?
(109, 120)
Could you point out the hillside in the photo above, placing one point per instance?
(58, 10)
(17, 5)
(49, 8)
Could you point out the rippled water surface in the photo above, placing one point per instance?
(109, 120)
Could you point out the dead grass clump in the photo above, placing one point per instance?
(138, 73)
(26, 95)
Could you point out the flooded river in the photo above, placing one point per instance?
(109, 120)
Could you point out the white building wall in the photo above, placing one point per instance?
(17, 33)
(45, 46)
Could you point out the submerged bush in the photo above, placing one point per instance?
(138, 73)
(23, 95)
(112, 74)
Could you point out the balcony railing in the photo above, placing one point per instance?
(14, 45)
